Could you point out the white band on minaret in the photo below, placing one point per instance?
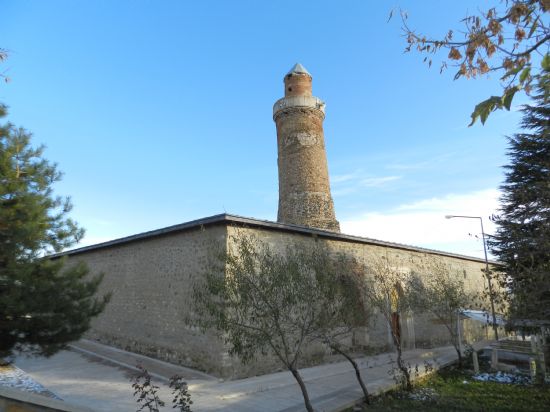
(311, 102)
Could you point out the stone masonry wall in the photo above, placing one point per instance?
(151, 281)
(418, 330)
(151, 284)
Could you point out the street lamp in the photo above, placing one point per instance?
(489, 284)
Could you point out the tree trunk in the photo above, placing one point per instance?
(357, 373)
(455, 337)
(408, 383)
(401, 365)
(298, 378)
(460, 363)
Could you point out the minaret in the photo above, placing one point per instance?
(304, 188)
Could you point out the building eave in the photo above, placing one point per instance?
(235, 220)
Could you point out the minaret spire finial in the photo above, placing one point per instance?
(298, 69)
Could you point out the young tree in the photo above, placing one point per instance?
(146, 391)
(506, 39)
(43, 305)
(386, 291)
(522, 238)
(442, 293)
(276, 303)
(181, 400)
(263, 304)
(341, 281)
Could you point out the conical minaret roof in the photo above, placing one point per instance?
(298, 68)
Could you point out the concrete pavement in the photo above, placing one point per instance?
(103, 382)
(156, 368)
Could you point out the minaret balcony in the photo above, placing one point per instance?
(290, 102)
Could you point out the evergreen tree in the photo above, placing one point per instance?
(43, 305)
(522, 240)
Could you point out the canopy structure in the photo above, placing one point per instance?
(483, 316)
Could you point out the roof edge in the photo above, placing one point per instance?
(145, 235)
(266, 224)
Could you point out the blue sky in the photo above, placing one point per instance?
(159, 112)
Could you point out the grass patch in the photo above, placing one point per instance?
(454, 390)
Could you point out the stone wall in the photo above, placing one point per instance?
(151, 283)
(418, 330)
(151, 279)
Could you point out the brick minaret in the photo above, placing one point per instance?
(304, 188)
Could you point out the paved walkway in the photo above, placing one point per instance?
(103, 382)
(156, 368)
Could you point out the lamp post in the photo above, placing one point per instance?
(489, 284)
